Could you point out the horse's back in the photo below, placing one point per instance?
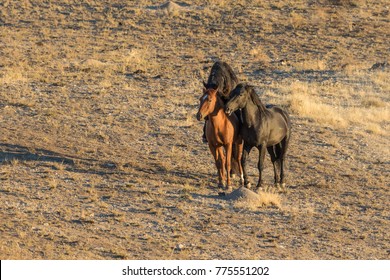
(279, 111)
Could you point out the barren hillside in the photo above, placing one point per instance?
(101, 155)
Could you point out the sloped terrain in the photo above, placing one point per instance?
(101, 155)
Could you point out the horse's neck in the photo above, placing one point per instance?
(251, 114)
(218, 112)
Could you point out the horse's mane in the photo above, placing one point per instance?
(255, 98)
(222, 78)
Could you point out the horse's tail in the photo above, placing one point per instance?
(288, 133)
(287, 119)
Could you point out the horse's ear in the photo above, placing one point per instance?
(204, 85)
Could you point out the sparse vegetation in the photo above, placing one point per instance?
(101, 155)
(265, 199)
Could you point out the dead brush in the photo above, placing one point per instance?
(265, 199)
(297, 20)
(311, 107)
(259, 54)
(52, 183)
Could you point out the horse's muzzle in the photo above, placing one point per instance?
(199, 116)
(228, 111)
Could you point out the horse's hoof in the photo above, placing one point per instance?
(277, 186)
(247, 185)
(229, 189)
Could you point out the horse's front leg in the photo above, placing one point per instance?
(260, 165)
(245, 155)
(228, 162)
(215, 154)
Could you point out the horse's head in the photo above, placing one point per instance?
(207, 103)
(238, 99)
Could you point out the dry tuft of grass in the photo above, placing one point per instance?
(269, 198)
(139, 59)
(371, 101)
(262, 200)
(314, 65)
(259, 55)
(297, 20)
(52, 183)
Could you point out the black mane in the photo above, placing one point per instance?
(222, 78)
(255, 98)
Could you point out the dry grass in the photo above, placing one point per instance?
(305, 100)
(265, 199)
(101, 154)
(310, 107)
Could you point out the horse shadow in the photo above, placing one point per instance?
(11, 152)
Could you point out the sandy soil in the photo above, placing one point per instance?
(101, 155)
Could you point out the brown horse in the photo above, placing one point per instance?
(222, 132)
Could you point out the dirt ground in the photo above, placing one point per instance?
(101, 154)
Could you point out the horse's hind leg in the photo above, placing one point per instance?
(228, 161)
(283, 150)
(274, 159)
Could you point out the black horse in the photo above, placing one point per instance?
(222, 79)
(263, 128)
